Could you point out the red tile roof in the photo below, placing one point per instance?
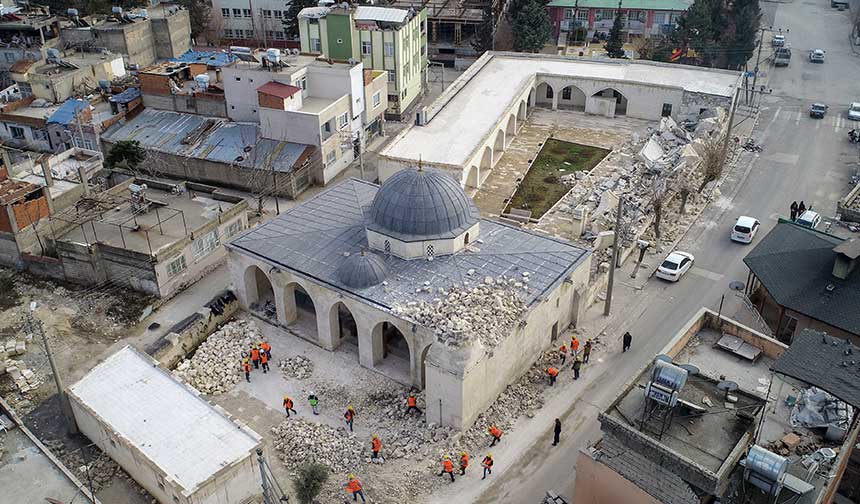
(278, 89)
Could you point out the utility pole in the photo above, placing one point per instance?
(275, 191)
(272, 492)
(35, 325)
(731, 125)
(758, 56)
(615, 242)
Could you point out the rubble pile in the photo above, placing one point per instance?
(215, 366)
(298, 441)
(298, 367)
(487, 311)
(25, 379)
(97, 468)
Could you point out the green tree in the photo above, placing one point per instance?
(291, 16)
(309, 480)
(531, 27)
(614, 45)
(128, 153)
(483, 40)
(198, 12)
(515, 6)
(744, 19)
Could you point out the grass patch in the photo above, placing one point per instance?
(542, 187)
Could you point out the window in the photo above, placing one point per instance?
(376, 99)
(582, 15)
(278, 14)
(393, 98)
(366, 48)
(388, 48)
(565, 93)
(270, 34)
(40, 134)
(466, 239)
(667, 110)
(279, 35)
(176, 266)
(331, 157)
(549, 92)
(232, 228)
(237, 12)
(204, 245)
(17, 133)
(266, 13)
(225, 12)
(568, 13)
(387, 247)
(303, 83)
(661, 18)
(249, 34)
(430, 251)
(246, 12)
(228, 32)
(342, 121)
(316, 46)
(391, 76)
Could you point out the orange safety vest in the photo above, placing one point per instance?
(464, 460)
(288, 403)
(495, 431)
(255, 354)
(266, 347)
(563, 349)
(552, 371)
(488, 462)
(574, 344)
(246, 366)
(349, 414)
(353, 486)
(377, 444)
(411, 401)
(264, 359)
(447, 466)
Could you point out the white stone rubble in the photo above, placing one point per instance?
(216, 365)
(298, 367)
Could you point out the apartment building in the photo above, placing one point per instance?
(254, 23)
(642, 18)
(394, 40)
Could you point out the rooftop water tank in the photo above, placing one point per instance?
(104, 84)
(669, 375)
(202, 81)
(53, 53)
(765, 469)
(72, 12)
(240, 49)
(116, 9)
(273, 55)
(142, 13)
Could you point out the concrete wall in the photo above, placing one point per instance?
(207, 104)
(134, 41)
(598, 484)
(172, 34)
(769, 309)
(58, 88)
(418, 249)
(35, 138)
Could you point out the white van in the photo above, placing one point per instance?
(809, 219)
(745, 229)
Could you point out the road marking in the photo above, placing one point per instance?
(710, 275)
(817, 124)
(776, 115)
(797, 119)
(838, 122)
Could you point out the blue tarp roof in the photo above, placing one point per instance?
(211, 58)
(126, 96)
(66, 113)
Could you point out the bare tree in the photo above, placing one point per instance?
(684, 186)
(712, 161)
(659, 194)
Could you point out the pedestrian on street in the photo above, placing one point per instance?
(556, 432)
(412, 403)
(353, 486)
(801, 208)
(314, 401)
(255, 356)
(574, 347)
(464, 463)
(267, 349)
(553, 374)
(625, 341)
(447, 467)
(349, 416)
(496, 433)
(264, 361)
(247, 369)
(793, 211)
(487, 464)
(288, 406)
(562, 352)
(577, 365)
(375, 446)
(586, 351)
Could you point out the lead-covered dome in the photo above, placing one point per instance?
(362, 270)
(422, 204)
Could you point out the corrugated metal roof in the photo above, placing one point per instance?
(386, 14)
(66, 113)
(210, 58)
(126, 96)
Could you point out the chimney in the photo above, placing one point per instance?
(847, 254)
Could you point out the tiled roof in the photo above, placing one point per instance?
(278, 89)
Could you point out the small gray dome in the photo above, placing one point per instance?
(362, 270)
(422, 203)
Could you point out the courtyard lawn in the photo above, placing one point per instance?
(541, 187)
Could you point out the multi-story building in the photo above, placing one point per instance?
(394, 40)
(249, 22)
(642, 18)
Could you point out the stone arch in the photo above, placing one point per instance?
(422, 365)
(510, 129)
(300, 310)
(620, 99)
(544, 95)
(258, 289)
(498, 146)
(532, 97)
(344, 327)
(486, 159)
(572, 97)
(522, 114)
(466, 239)
(473, 176)
(392, 351)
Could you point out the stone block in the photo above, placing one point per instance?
(604, 240)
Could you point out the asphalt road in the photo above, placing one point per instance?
(803, 159)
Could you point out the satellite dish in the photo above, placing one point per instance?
(664, 358)
(736, 285)
(690, 369)
(727, 386)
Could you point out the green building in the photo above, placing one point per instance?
(381, 38)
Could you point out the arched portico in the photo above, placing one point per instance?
(392, 352)
(510, 130)
(300, 310)
(343, 326)
(258, 289)
(522, 114)
(620, 99)
(498, 146)
(473, 177)
(545, 95)
(572, 97)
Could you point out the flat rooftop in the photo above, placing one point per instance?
(34, 112)
(313, 237)
(453, 135)
(315, 105)
(165, 420)
(82, 61)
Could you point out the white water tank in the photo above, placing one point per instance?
(116, 10)
(202, 81)
(273, 55)
(73, 13)
(240, 49)
(142, 13)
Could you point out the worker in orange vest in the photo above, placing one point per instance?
(264, 361)
(464, 463)
(353, 486)
(349, 416)
(267, 349)
(255, 356)
(288, 406)
(247, 369)
(487, 464)
(375, 446)
(574, 346)
(412, 403)
(562, 352)
(447, 467)
(553, 374)
(496, 433)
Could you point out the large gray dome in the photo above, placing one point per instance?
(422, 203)
(362, 270)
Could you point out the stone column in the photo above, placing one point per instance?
(325, 334)
(555, 99)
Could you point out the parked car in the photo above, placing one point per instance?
(809, 219)
(816, 55)
(782, 56)
(778, 41)
(817, 110)
(854, 111)
(675, 265)
(745, 229)
(840, 4)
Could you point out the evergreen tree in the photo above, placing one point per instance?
(515, 6)
(744, 19)
(127, 153)
(483, 40)
(291, 17)
(614, 45)
(531, 27)
(198, 13)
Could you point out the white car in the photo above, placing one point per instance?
(745, 229)
(675, 265)
(809, 219)
(854, 111)
(816, 55)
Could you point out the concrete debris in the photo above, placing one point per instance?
(95, 468)
(298, 440)
(298, 367)
(216, 365)
(487, 311)
(12, 348)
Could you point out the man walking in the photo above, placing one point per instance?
(562, 352)
(574, 347)
(556, 432)
(447, 467)
(801, 208)
(313, 400)
(793, 211)
(553, 374)
(577, 365)
(487, 464)
(412, 403)
(496, 433)
(464, 463)
(353, 486)
(586, 351)
(255, 356)
(375, 446)
(625, 341)
(267, 349)
(264, 361)
(288, 406)
(349, 416)
(247, 369)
